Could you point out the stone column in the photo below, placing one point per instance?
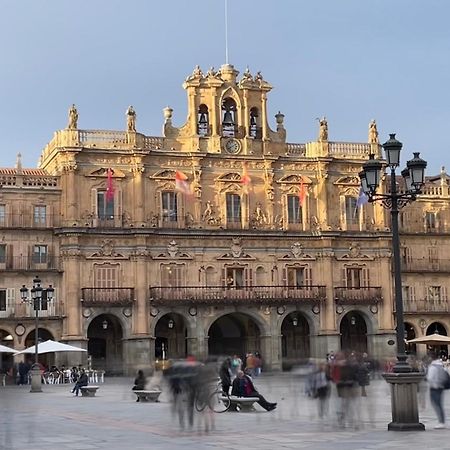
(72, 296)
(137, 354)
(264, 125)
(71, 192)
(141, 293)
(139, 194)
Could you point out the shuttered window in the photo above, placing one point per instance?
(105, 206)
(169, 204)
(2, 253)
(294, 209)
(40, 215)
(3, 300)
(105, 276)
(40, 254)
(233, 208)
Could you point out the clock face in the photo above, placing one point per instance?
(232, 146)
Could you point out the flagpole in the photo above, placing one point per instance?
(226, 31)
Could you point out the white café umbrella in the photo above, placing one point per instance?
(431, 339)
(51, 347)
(4, 349)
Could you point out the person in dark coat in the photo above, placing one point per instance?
(139, 382)
(243, 387)
(82, 381)
(225, 375)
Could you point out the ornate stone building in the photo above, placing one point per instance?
(217, 238)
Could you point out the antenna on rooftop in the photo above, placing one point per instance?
(226, 31)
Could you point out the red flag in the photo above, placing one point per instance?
(245, 177)
(109, 185)
(302, 193)
(181, 183)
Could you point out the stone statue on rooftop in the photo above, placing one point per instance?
(131, 119)
(73, 118)
(373, 133)
(323, 130)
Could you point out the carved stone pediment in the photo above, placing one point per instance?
(107, 251)
(294, 179)
(354, 253)
(173, 252)
(166, 174)
(103, 172)
(297, 253)
(231, 176)
(348, 180)
(236, 252)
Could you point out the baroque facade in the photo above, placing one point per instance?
(267, 251)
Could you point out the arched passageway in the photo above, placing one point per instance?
(295, 339)
(171, 337)
(437, 327)
(234, 334)
(410, 333)
(105, 344)
(46, 359)
(6, 359)
(353, 331)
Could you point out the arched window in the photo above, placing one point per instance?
(202, 120)
(255, 129)
(229, 109)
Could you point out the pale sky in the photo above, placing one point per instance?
(348, 60)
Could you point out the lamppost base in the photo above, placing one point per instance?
(36, 379)
(405, 412)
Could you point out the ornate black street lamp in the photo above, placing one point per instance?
(403, 381)
(38, 296)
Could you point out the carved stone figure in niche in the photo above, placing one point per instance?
(354, 250)
(189, 219)
(208, 212)
(247, 76)
(73, 118)
(259, 218)
(196, 74)
(154, 219)
(297, 250)
(172, 249)
(373, 133)
(131, 119)
(211, 72)
(236, 248)
(323, 130)
(258, 76)
(196, 185)
(279, 222)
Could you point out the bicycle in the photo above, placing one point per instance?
(217, 400)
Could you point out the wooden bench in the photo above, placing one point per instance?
(242, 404)
(147, 396)
(88, 391)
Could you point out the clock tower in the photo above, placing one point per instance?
(226, 115)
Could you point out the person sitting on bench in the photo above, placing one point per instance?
(243, 387)
(140, 382)
(82, 381)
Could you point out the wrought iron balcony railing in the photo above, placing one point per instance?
(244, 294)
(95, 296)
(23, 310)
(38, 262)
(357, 295)
(9, 220)
(425, 265)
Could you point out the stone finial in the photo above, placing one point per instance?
(19, 163)
(73, 118)
(168, 112)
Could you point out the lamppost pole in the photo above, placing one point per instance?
(37, 295)
(403, 381)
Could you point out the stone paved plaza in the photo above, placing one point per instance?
(113, 420)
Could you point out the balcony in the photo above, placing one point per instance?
(357, 295)
(95, 296)
(23, 310)
(210, 295)
(41, 263)
(427, 306)
(29, 221)
(425, 265)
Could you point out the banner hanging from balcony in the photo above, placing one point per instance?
(181, 183)
(245, 178)
(302, 192)
(109, 185)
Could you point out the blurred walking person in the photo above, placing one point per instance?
(438, 380)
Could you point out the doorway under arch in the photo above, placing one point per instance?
(437, 327)
(171, 337)
(353, 331)
(234, 334)
(410, 333)
(46, 359)
(295, 340)
(6, 359)
(105, 344)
